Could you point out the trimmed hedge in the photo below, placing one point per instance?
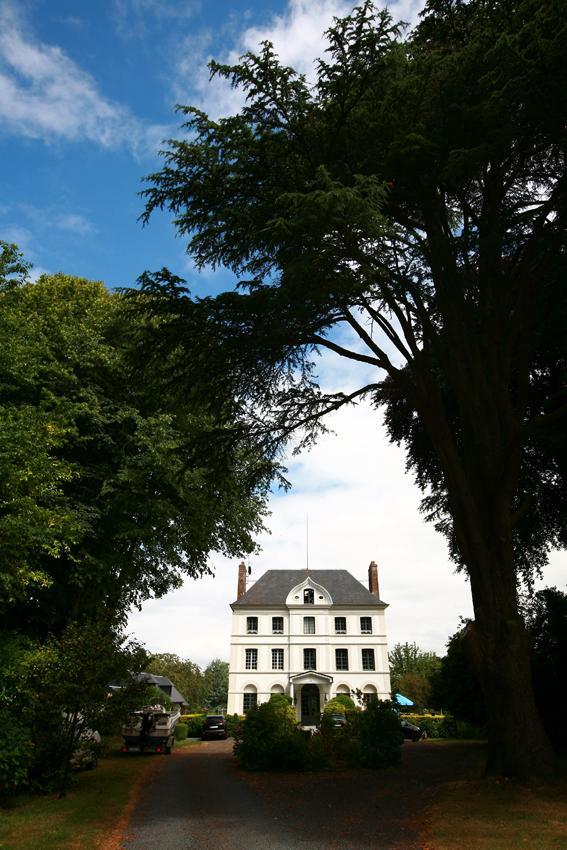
(181, 731)
(435, 725)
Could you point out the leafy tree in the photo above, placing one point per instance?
(546, 616)
(216, 679)
(415, 686)
(109, 493)
(409, 658)
(406, 212)
(55, 693)
(187, 677)
(455, 686)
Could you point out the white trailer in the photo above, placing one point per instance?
(152, 729)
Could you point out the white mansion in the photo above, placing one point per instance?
(310, 634)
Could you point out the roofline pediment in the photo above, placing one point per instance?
(310, 674)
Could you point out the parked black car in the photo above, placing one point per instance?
(214, 726)
(336, 721)
(411, 731)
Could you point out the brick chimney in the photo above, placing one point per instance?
(373, 579)
(241, 580)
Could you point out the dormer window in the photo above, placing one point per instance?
(308, 596)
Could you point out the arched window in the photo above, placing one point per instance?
(250, 697)
(369, 694)
(276, 689)
(308, 596)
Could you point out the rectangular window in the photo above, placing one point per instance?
(340, 625)
(249, 701)
(366, 625)
(277, 625)
(309, 659)
(251, 659)
(308, 596)
(277, 659)
(341, 659)
(368, 659)
(309, 625)
(251, 625)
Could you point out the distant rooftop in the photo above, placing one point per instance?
(274, 586)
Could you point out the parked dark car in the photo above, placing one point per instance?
(214, 726)
(336, 721)
(411, 731)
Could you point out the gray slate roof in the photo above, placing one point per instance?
(174, 695)
(273, 587)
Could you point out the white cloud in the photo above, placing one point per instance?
(297, 33)
(75, 223)
(45, 95)
(46, 218)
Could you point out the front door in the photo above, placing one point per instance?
(310, 705)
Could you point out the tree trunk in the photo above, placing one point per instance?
(518, 744)
(479, 479)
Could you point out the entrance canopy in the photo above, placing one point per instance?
(311, 677)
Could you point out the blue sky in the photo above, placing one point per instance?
(87, 91)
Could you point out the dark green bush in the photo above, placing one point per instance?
(194, 723)
(435, 725)
(376, 736)
(16, 754)
(232, 723)
(181, 732)
(346, 701)
(270, 738)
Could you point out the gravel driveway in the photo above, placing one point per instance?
(200, 800)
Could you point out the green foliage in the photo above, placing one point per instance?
(270, 738)
(108, 491)
(337, 706)
(181, 731)
(346, 701)
(194, 723)
(376, 735)
(53, 694)
(546, 617)
(455, 686)
(233, 721)
(435, 725)
(155, 696)
(412, 670)
(186, 676)
(216, 682)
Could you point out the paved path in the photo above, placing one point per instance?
(200, 800)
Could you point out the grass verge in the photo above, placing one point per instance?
(95, 805)
(498, 815)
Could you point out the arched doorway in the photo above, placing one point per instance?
(310, 705)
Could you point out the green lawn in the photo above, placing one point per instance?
(499, 815)
(95, 806)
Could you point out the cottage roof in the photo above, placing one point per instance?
(164, 682)
(274, 586)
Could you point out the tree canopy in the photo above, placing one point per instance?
(109, 490)
(412, 670)
(406, 211)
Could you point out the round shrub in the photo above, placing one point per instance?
(181, 732)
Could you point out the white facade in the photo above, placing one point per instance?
(309, 650)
